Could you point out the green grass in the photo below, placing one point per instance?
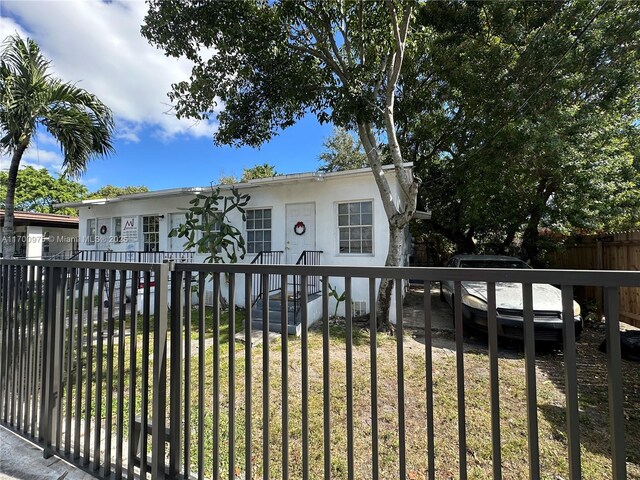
(596, 461)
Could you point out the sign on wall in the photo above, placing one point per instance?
(130, 229)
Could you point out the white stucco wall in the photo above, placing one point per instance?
(277, 193)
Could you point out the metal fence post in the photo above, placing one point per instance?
(159, 407)
(52, 295)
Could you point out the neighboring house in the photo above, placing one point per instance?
(43, 235)
(321, 218)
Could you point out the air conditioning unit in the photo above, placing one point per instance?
(359, 308)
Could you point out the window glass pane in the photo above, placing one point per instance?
(258, 230)
(355, 227)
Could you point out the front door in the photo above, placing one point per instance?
(103, 234)
(301, 230)
(175, 220)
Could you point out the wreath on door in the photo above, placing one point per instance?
(103, 229)
(299, 228)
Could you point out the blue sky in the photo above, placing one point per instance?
(98, 45)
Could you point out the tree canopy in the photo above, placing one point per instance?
(258, 171)
(342, 152)
(38, 191)
(524, 115)
(111, 191)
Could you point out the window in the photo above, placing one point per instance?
(90, 238)
(117, 229)
(258, 230)
(151, 233)
(355, 227)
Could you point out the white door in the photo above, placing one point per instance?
(103, 234)
(176, 244)
(301, 230)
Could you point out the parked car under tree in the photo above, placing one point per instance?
(547, 301)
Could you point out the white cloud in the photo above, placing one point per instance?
(38, 158)
(99, 46)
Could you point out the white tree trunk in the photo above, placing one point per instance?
(394, 259)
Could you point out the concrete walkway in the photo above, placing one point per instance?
(20, 459)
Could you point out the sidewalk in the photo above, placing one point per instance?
(20, 459)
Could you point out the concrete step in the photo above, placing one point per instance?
(275, 321)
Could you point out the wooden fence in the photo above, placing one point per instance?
(620, 251)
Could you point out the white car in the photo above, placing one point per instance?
(547, 301)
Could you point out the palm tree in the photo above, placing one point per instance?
(31, 98)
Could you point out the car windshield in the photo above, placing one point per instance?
(493, 264)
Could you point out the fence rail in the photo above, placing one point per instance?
(167, 393)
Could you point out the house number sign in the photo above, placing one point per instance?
(299, 228)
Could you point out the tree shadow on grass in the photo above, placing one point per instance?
(593, 396)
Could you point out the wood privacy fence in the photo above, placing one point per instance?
(620, 251)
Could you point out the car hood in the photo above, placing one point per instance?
(509, 295)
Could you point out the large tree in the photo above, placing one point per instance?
(263, 65)
(31, 98)
(522, 115)
(38, 191)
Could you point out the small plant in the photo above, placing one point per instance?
(340, 297)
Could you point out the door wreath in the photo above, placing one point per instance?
(103, 229)
(299, 228)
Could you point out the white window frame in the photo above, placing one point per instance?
(146, 232)
(349, 227)
(251, 243)
(117, 231)
(91, 231)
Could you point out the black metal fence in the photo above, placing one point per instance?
(156, 387)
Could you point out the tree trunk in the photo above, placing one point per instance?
(530, 250)
(394, 259)
(8, 237)
(398, 215)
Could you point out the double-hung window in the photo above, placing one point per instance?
(355, 227)
(258, 230)
(151, 233)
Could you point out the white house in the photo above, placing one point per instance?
(338, 214)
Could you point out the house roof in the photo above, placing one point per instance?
(42, 219)
(255, 183)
